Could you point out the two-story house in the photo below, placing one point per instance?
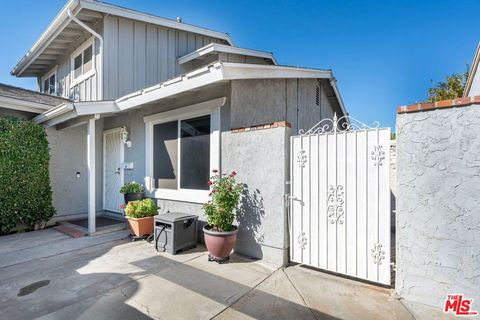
(163, 102)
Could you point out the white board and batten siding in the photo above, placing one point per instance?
(340, 202)
(139, 55)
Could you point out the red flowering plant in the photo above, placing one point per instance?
(224, 198)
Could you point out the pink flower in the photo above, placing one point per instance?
(209, 183)
(234, 173)
(214, 170)
(213, 191)
(122, 206)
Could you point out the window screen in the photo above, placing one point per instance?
(165, 146)
(77, 66)
(195, 153)
(87, 60)
(51, 84)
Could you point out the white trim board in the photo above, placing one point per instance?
(84, 76)
(212, 108)
(23, 105)
(217, 47)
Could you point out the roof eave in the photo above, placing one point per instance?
(62, 20)
(149, 18)
(55, 27)
(22, 105)
(221, 48)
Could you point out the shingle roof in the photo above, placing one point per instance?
(30, 95)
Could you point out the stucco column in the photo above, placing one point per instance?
(91, 173)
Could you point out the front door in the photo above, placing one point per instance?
(112, 170)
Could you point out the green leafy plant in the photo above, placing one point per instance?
(225, 196)
(141, 208)
(26, 196)
(452, 88)
(131, 187)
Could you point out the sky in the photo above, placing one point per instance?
(383, 53)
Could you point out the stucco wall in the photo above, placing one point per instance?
(265, 101)
(438, 204)
(259, 157)
(68, 155)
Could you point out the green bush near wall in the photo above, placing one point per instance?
(25, 191)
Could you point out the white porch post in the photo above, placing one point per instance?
(91, 173)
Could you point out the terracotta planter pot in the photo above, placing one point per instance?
(141, 226)
(220, 244)
(133, 196)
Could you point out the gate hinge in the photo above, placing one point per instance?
(393, 266)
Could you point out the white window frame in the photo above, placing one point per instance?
(75, 81)
(211, 108)
(50, 73)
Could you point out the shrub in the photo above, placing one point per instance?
(141, 208)
(26, 195)
(225, 195)
(131, 187)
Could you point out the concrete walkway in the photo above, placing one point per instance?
(48, 275)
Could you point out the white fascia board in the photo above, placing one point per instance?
(189, 81)
(95, 107)
(23, 105)
(55, 27)
(216, 47)
(239, 71)
(148, 18)
(68, 115)
(53, 113)
(333, 83)
(473, 70)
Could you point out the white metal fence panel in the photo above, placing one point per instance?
(340, 200)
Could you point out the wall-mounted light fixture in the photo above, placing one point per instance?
(78, 174)
(124, 132)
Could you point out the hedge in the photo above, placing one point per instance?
(25, 192)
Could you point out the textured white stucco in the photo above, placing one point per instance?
(438, 204)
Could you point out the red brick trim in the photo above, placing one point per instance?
(74, 233)
(277, 124)
(459, 102)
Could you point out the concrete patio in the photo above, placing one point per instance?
(48, 275)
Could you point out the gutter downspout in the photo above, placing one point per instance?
(100, 66)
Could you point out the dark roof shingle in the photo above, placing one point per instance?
(30, 95)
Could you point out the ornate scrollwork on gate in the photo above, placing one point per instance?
(302, 240)
(377, 155)
(302, 158)
(377, 253)
(344, 123)
(335, 202)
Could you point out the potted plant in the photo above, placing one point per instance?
(139, 214)
(132, 191)
(220, 233)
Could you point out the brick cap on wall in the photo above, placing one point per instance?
(460, 102)
(277, 124)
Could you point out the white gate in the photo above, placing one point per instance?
(340, 199)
